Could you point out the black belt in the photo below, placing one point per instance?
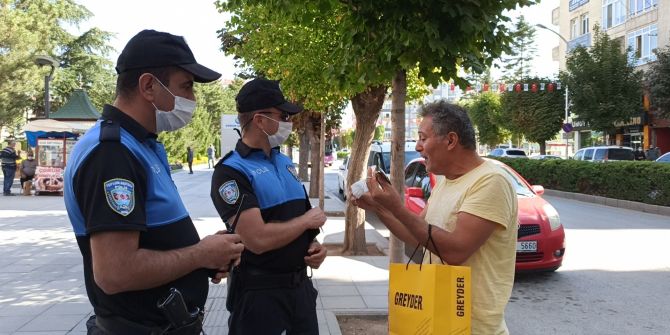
(119, 326)
(254, 279)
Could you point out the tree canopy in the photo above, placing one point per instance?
(485, 110)
(658, 83)
(604, 87)
(29, 28)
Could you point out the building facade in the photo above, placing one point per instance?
(641, 26)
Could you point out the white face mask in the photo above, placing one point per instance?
(283, 132)
(179, 117)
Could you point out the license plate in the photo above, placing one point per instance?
(526, 246)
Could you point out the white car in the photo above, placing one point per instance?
(604, 154)
(508, 152)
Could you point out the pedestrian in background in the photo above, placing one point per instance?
(27, 168)
(652, 153)
(639, 154)
(270, 291)
(8, 155)
(471, 215)
(138, 243)
(210, 156)
(189, 159)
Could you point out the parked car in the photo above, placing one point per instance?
(541, 239)
(665, 158)
(508, 152)
(380, 157)
(545, 157)
(604, 154)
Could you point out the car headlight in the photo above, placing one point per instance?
(552, 215)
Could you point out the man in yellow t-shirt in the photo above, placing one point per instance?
(475, 206)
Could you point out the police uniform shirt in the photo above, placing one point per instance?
(270, 184)
(125, 185)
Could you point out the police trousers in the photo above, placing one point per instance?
(275, 311)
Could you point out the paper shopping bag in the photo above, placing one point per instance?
(429, 299)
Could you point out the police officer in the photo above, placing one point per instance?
(137, 240)
(270, 290)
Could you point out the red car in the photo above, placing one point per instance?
(541, 240)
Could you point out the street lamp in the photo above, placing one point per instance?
(41, 61)
(567, 127)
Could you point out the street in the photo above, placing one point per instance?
(615, 276)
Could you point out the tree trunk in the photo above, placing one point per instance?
(367, 106)
(303, 173)
(543, 148)
(322, 153)
(315, 139)
(399, 94)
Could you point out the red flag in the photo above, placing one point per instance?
(517, 87)
(502, 87)
(486, 87)
(550, 87)
(452, 86)
(533, 87)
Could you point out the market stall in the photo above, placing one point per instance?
(53, 141)
(54, 137)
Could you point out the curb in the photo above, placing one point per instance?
(618, 203)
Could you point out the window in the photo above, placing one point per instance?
(614, 13)
(636, 7)
(585, 23)
(641, 44)
(588, 154)
(600, 155)
(578, 156)
(574, 32)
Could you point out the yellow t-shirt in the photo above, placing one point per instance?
(487, 193)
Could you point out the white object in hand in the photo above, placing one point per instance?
(359, 188)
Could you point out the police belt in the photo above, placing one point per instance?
(253, 278)
(119, 326)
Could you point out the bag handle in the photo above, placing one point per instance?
(423, 254)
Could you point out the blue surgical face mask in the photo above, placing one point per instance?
(178, 117)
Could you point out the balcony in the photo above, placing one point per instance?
(574, 4)
(584, 40)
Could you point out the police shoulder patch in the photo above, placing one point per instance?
(120, 194)
(229, 192)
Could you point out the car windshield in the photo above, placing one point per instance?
(409, 156)
(620, 155)
(664, 159)
(520, 187)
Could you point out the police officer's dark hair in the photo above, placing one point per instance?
(126, 82)
(448, 118)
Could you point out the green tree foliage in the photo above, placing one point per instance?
(537, 116)
(658, 83)
(379, 133)
(84, 65)
(604, 86)
(517, 62)
(485, 110)
(29, 28)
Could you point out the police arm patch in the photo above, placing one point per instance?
(120, 194)
(229, 192)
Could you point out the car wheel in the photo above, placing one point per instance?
(339, 188)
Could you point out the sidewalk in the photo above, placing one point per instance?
(41, 282)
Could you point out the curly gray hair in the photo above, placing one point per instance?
(448, 118)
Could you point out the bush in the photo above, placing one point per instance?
(641, 181)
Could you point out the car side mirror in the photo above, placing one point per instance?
(538, 189)
(414, 192)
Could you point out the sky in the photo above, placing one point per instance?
(198, 21)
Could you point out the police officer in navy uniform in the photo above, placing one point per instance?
(137, 240)
(270, 290)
